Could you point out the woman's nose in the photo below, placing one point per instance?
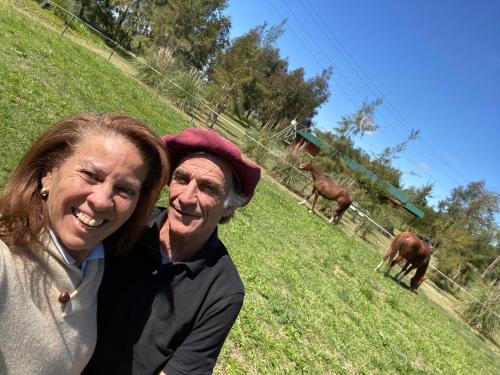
(101, 197)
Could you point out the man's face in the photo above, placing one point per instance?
(199, 187)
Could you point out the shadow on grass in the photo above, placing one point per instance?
(403, 285)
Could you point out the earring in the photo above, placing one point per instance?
(44, 192)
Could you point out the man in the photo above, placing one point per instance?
(168, 305)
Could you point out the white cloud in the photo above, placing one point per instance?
(423, 166)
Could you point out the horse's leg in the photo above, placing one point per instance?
(396, 260)
(332, 213)
(339, 213)
(316, 195)
(402, 273)
(309, 196)
(335, 213)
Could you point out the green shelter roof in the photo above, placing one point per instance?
(354, 165)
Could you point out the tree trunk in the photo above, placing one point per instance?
(497, 259)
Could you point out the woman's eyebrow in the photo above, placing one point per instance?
(84, 163)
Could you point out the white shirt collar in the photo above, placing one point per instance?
(96, 253)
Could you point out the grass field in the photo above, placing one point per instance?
(314, 304)
(45, 77)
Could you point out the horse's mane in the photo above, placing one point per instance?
(425, 239)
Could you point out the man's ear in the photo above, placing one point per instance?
(228, 212)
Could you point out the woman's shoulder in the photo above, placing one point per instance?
(5, 259)
(3, 249)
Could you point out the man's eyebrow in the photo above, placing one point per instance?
(210, 183)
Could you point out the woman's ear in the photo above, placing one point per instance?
(47, 181)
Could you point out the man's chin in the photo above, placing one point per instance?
(183, 227)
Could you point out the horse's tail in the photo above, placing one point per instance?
(394, 247)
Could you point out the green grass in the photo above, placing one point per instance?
(45, 77)
(314, 305)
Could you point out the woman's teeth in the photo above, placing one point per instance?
(87, 220)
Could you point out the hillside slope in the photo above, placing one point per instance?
(314, 304)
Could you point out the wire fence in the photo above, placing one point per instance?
(71, 16)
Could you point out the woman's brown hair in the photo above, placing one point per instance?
(22, 210)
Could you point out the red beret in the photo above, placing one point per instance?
(193, 139)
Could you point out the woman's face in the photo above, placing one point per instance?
(94, 192)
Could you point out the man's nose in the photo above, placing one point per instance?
(190, 193)
(101, 197)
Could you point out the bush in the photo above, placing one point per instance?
(481, 316)
(256, 144)
(187, 90)
(70, 6)
(162, 61)
(286, 171)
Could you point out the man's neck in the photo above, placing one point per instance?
(178, 248)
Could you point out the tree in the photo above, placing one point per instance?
(289, 95)
(259, 81)
(420, 195)
(360, 122)
(197, 30)
(465, 230)
(390, 153)
(99, 14)
(132, 25)
(474, 205)
(234, 69)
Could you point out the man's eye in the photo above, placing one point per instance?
(210, 189)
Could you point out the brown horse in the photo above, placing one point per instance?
(409, 246)
(328, 189)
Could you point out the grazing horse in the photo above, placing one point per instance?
(328, 189)
(417, 252)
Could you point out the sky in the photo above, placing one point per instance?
(436, 64)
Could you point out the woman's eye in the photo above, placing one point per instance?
(126, 192)
(181, 179)
(89, 174)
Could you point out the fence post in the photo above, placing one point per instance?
(68, 23)
(112, 52)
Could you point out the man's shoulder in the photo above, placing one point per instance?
(223, 271)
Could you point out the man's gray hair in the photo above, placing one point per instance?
(234, 199)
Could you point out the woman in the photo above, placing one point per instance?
(88, 183)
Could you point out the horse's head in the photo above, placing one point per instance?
(306, 166)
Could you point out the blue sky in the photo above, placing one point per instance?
(436, 63)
